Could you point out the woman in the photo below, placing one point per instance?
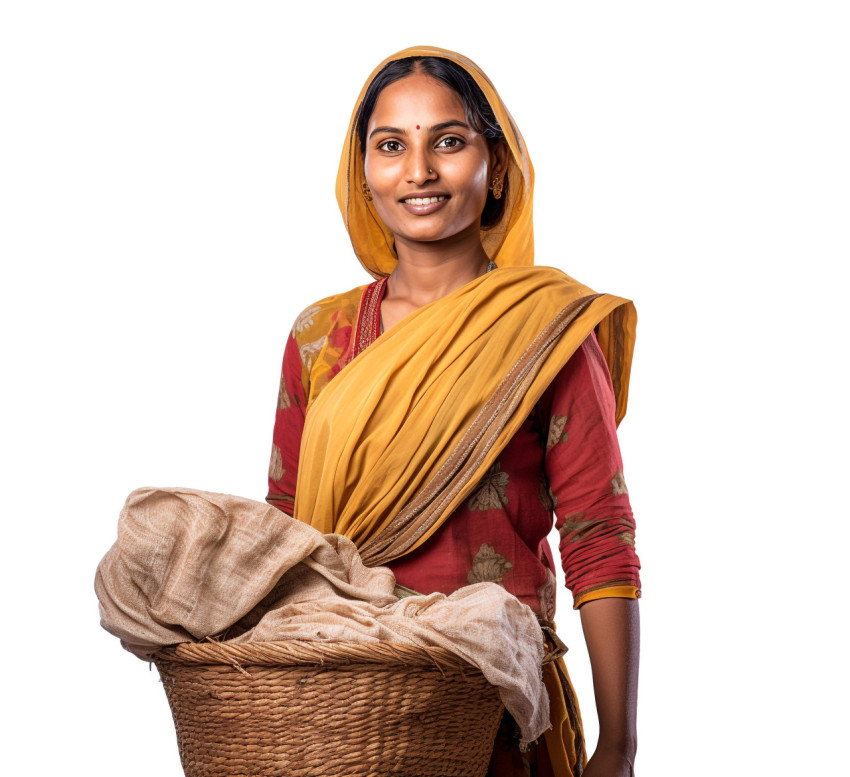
(459, 399)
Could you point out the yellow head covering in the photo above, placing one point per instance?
(510, 243)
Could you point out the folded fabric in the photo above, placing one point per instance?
(190, 564)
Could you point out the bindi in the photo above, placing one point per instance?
(417, 126)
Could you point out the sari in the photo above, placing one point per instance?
(400, 431)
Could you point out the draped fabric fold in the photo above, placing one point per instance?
(404, 433)
(401, 436)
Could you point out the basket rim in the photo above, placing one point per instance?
(297, 652)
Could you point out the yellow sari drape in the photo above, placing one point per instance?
(400, 438)
(403, 434)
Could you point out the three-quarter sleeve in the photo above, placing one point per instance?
(288, 428)
(585, 475)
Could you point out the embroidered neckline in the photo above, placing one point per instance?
(369, 319)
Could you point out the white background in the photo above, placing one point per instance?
(166, 196)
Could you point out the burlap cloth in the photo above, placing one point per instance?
(191, 564)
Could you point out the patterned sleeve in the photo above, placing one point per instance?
(585, 473)
(288, 427)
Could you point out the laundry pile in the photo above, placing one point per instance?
(191, 564)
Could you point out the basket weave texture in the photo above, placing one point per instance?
(327, 709)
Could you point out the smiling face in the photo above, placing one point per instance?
(419, 125)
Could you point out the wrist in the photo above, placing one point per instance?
(623, 746)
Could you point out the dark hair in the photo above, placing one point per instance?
(479, 113)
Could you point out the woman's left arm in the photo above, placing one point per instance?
(612, 634)
(597, 545)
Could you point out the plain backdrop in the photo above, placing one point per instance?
(167, 209)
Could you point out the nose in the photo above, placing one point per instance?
(420, 165)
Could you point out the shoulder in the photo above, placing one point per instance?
(323, 335)
(543, 277)
(587, 370)
(583, 379)
(319, 318)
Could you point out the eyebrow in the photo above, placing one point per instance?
(436, 128)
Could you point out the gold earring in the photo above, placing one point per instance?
(367, 192)
(496, 187)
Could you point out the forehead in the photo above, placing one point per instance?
(417, 99)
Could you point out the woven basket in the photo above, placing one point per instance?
(290, 708)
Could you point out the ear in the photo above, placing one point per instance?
(499, 158)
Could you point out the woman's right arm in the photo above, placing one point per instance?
(288, 427)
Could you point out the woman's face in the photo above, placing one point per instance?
(428, 170)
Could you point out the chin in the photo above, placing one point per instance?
(433, 233)
(429, 237)
(424, 233)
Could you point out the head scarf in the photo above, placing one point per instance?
(510, 242)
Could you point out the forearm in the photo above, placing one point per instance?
(612, 634)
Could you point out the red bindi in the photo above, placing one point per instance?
(417, 126)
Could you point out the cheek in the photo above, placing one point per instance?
(379, 175)
(381, 184)
(370, 174)
(479, 179)
(474, 171)
(476, 183)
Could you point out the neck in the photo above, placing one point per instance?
(429, 271)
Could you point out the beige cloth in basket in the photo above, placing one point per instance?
(191, 564)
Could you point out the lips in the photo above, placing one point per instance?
(424, 203)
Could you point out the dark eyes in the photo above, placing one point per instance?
(450, 142)
(393, 146)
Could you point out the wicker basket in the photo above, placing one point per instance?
(290, 708)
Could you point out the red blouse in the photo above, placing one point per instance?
(565, 459)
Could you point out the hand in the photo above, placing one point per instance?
(607, 763)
